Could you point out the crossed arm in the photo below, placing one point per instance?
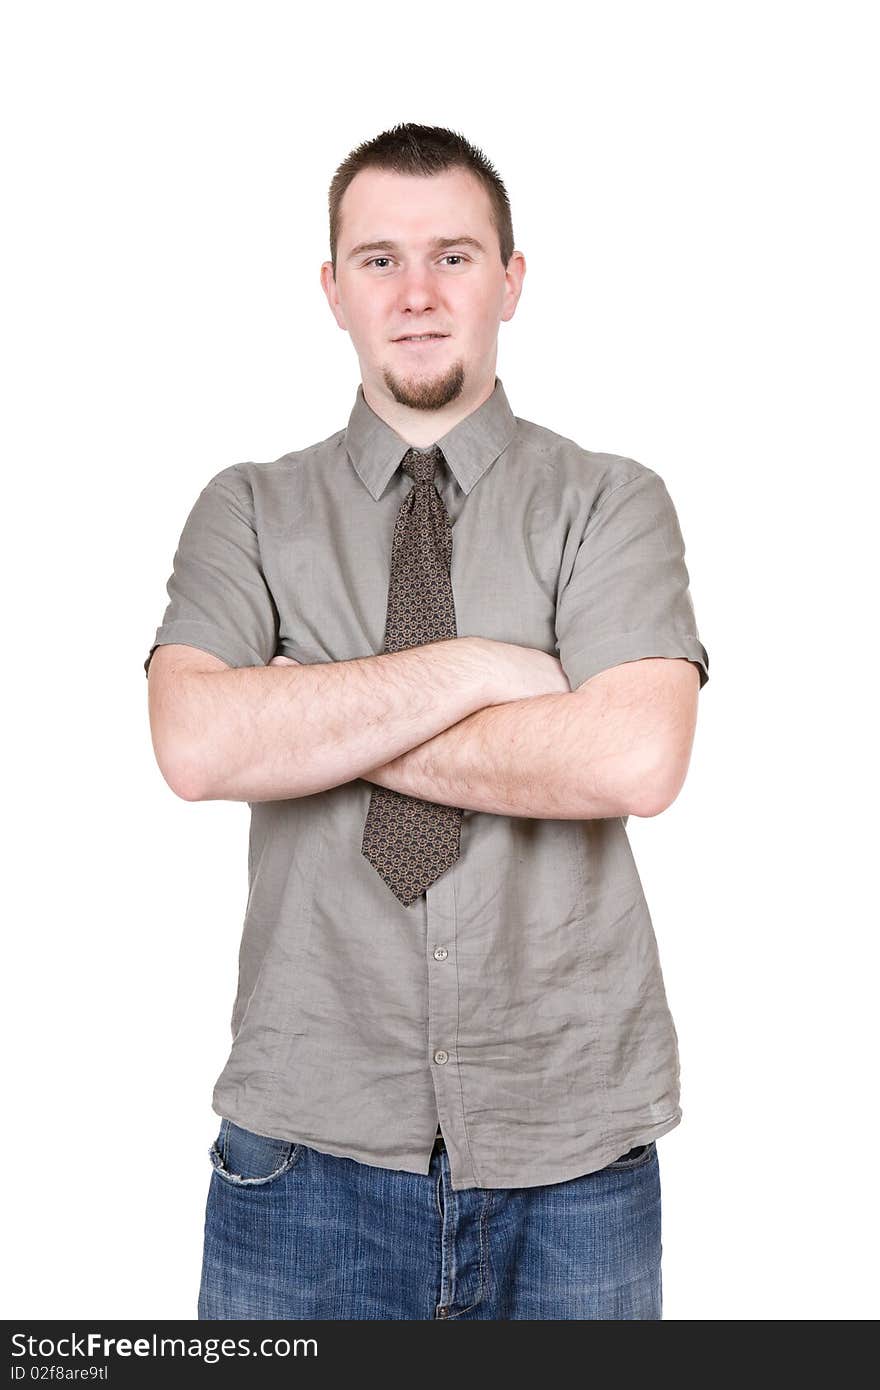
(618, 745)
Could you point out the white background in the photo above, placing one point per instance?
(693, 188)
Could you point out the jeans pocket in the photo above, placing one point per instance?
(240, 1156)
(633, 1158)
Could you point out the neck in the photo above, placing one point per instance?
(421, 428)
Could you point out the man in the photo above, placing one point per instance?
(452, 1053)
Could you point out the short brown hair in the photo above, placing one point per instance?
(425, 150)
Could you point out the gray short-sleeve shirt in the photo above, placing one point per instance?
(519, 1001)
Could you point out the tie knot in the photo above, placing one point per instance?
(420, 464)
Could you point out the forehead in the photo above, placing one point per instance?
(413, 208)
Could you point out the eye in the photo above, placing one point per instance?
(450, 256)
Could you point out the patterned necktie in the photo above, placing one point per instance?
(408, 841)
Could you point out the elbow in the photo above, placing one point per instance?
(650, 790)
(187, 788)
(176, 731)
(648, 806)
(184, 778)
(192, 781)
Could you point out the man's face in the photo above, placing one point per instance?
(416, 285)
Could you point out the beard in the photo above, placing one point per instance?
(426, 392)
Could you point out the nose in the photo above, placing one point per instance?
(417, 289)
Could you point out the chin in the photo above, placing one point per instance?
(425, 388)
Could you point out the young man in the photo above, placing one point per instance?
(444, 654)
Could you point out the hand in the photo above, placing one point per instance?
(284, 661)
(521, 673)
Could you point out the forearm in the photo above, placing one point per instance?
(266, 733)
(543, 757)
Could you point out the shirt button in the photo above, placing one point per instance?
(441, 1056)
(440, 953)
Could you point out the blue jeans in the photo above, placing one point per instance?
(294, 1233)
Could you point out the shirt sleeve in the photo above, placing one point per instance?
(627, 596)
(218, 596)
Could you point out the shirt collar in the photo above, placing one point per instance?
(376, 450)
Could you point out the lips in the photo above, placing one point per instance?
(420, 337)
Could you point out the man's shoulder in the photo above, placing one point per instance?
(250, 474)
(569, 459)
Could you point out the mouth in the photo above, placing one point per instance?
(422, 340)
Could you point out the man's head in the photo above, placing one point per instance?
(446, 266)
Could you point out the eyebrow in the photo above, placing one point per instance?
(438, 243)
